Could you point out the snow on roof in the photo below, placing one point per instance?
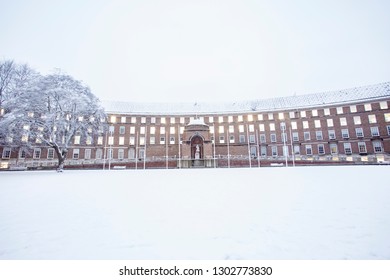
(358, 94)
(197, 121)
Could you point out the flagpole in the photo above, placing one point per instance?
(179, 141)
(228, 148)
(258, 148)
(146, 133)
(249, 150)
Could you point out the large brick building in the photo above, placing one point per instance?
(343, 127)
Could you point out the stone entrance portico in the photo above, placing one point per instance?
(196, 145)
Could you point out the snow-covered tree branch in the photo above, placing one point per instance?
(53, 110)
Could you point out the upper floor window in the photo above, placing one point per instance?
(383, 105)
(367, 107)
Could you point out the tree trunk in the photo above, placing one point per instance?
(61, 155)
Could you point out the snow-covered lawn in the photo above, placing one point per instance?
(267, 213)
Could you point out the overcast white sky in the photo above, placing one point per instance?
(176, 50)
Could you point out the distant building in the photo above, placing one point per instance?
(342, 127)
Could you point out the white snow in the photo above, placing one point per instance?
(267, 213)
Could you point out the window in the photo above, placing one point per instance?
(283, 126)
(172, 120)
(111, 140)
(221, 129)
(262, 138)
(345, 133)
(123, 119)
(132, 140)
(297, 150)
(347, 149)
(152, 130)
(250, 118)
(163, 120)
(383, 105)
(220, 119)
(239, 118)
(333, 149)
(113, 119)
(162, 130)
(231, 138)
(321, 149)
(273, 137)
(171, 140)
(306, 135)
(6, 153)
(374, 131)
(303, 114)
(263, 151)
(388, 129)
(305, 124)
(153, 120)
(182, 120)
(309, 150)
(242, 138)
(181, 129)
(211, 119)
(88, 141)
(272, 127)
(231, 128)
(329, 122)
(142, 140)
(121, 153)
(294, 125)
(131, 153)
(260, 117)
(387, 117)
(281, 116)
(230, 118)
(121, 130)
(339, 110)
(100, 140)
(252, 138)
(331, 134)
(291, 115)
(132, 129)
(162, 140)
(172, 130)
(77, 140)
(261, 127)
(359, 132)
(295, 136)
(353, 109)
(367, 107)
(371, 118)
(22, 153)
(284, 137)
(274, 151)
(50, 153)
(253, 151)
(319, 135)
(251, 128)
(270, 116)
(152, 140)
(142, 130)
(377, 145)
(343, 121)
(76, 153)
(121, 140)
(99, 154)
(87, 153)
(362, 147)
(357, 120)
(317, 123)
(221, 139)
(314, 113)
(326, 112)
(212, 129)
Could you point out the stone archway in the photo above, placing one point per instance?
(197, 147)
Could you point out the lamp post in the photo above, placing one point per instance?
(284, 136)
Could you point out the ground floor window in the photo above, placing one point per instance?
(6, 153)
(362, 147)
(347, 148)
(131, 153)
(22, 153)
(309, 150)
(37, 153)
(263, 151)
(297, 150)
(274, 151)
(99, 154)
(87, 154)
(121, 153)
(253, 151)
(321, 149)
(333, 149)
(141, 153)
(377, 145)
(76, 153)
(50, 153)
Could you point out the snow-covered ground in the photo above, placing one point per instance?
(267, 213)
